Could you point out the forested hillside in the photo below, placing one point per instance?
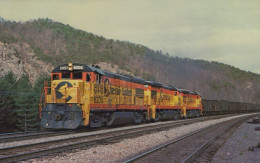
(19, 102)
(37, 46)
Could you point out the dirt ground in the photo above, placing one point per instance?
(236, 147)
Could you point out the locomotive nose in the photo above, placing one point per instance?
(61, 116)
(66, 91)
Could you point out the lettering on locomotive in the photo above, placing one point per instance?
(76, 67)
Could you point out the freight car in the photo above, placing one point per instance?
(82, 95)
(215, 107)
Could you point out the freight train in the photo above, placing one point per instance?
(215, 107)
(83, 95)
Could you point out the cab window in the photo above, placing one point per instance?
(98, 78)
(66, 75)
(77, 75)
(88, 78)
(55, 77)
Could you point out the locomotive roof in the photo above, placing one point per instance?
(125, 77)
(154, 83)
(81, 68)
(170, 88)
(185, 91)
(87, 68)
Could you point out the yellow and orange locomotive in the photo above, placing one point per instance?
(82, 95)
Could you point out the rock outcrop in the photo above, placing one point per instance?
(20, 58)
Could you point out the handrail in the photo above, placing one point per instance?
(41, 102)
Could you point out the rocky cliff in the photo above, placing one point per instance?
(20, 58)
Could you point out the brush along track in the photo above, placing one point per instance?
(27, 151)
(190, 146)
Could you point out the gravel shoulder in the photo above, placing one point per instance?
(236, 147)
(120, 151)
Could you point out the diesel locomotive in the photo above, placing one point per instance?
(83, 95)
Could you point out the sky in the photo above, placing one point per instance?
(226, 31)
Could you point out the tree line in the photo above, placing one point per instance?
(19, 101)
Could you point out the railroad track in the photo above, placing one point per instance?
(207, 150)
(2, 135)
(10, 137)
(85, 140)
(190, 147)
(18, 136)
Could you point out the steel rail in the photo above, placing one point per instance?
(17, 136)
(23, 132)
(112, 135)
(5, 136)
(157, 127)
(140, 156)
(27, 136)
(203, 147)
(17, 133)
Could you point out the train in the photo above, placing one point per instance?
(216, 107)
(81, 95)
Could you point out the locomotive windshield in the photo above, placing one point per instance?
(77, 75)
(66, 75)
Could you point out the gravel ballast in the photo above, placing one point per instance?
(23, 142)
(120, 151)
(236, 147)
